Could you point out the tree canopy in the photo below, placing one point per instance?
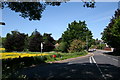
(76, 30)
(33, 10)
(35, 41)
(49, 42)
(15, 41)
(111, 34)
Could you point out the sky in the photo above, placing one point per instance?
(55, 19)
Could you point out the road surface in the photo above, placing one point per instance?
(97, 67)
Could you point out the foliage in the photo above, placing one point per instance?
(59, 40)
(79, 31)
(62, 47)
(101, 46)
(76, 46)
(2, 49)
(48, 42)
(15, 41)
(35, 41)
(33, 10)
(111, 34)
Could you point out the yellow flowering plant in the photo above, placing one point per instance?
(11, 55)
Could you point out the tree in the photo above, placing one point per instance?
(76, 46)
(111, 34)
(33, 10)
(35, 41)
(15, 41)
(79, 31)
(49, 42)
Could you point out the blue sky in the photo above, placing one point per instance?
(56, 18)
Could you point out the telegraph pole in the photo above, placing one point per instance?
(87, 42)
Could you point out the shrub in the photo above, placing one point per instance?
(63, 46)
(101, 46)
(48, 47)
(76, 46)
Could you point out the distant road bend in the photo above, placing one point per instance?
(99, 66)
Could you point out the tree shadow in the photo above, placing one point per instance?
(77, 71)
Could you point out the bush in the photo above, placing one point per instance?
(63, 46)
(48, 47)
(76, 46)
(101, 46)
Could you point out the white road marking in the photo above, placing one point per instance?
(110, 57)
(114, 59)
(92, 59)
(70, 63)
(104, 55)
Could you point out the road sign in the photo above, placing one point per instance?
(41, 47)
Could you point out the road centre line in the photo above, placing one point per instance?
(92, 59)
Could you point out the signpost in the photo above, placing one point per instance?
(41, 46)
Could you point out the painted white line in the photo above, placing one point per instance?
(70, 63)
(104, 55)
(114, 59)
(98, 68)
(93, 59)
(90, 59)
(108, 57)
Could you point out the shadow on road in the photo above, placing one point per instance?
(63, 71)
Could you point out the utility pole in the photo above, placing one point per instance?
(87, 42)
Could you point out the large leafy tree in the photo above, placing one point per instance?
(79, 31)
(35, 41)
(15, 41)
(49, 42)
(111, 34)
(33, 10)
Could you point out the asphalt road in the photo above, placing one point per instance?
(97, 67)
